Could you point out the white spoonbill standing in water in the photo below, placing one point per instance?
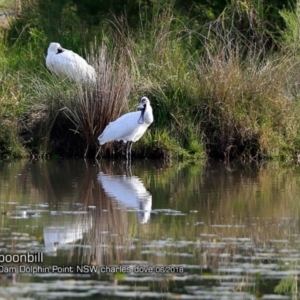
(130, 127)
(65, 62)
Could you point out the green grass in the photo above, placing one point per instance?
(9, 4)
(227, 98)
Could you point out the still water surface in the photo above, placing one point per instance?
(201, 231)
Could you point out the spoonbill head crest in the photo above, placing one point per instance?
(55, 48)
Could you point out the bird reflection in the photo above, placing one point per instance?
(65, 229)
(56, 235)
(130, 192)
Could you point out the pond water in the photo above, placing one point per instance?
(84, 229)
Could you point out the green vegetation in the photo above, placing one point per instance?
(222, 78)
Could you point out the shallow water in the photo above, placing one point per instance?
(202, 231)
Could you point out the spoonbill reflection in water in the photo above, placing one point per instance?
(130, 127)
(65, 228)
(65, 62)
(130, 192)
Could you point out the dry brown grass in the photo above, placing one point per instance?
(247, 108)
(96, 106)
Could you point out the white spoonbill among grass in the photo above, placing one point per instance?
(65, 62)
(130, 127)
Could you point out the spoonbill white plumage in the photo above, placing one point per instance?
(65, 62)
(130, 127)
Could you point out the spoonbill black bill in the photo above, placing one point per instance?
(130, 127)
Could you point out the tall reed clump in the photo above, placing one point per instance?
(163, 66)
(246, 104)
(95, 106)
(67, 117)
